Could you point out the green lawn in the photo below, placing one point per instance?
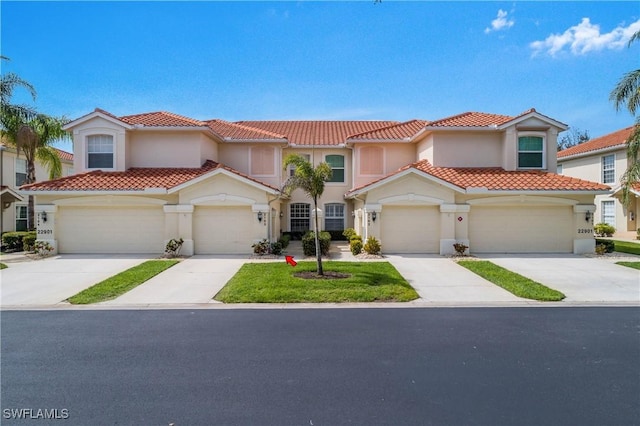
(275, 283)
(3, 266)
(634, 265)
(121, 283)
(626, 247)
(512, 282)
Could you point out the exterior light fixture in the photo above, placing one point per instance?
(281, 214)
(44, 216)
(374, 216)
(259, 216)
(587, 216)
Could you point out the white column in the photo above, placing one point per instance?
(45, 217)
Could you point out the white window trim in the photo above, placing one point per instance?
(26, 172)
(602, 217)
(25, 219)
(544, 149)
(603, 170)
(344, 168)
(384, 161)
(309, 217)
(344, 213)
(275, 162)
(114, 139)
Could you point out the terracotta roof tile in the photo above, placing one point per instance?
(498, 179)
(161, 119)
(404, 130)
(317, 132)
(617, 138)
(237, 131)
(473, 119)
(134, 179)
(64, 155)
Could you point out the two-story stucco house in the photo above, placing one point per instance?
(13, 172)
(418, 186)
(604, 160)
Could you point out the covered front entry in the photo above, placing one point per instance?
(104, 229)
(521, 229)
(223, 230)
(410, 229)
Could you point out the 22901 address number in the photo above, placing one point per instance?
(45, 231)
(585, 231)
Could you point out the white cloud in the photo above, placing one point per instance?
(500, 23)
(584, 38)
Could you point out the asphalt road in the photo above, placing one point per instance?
(440, 366)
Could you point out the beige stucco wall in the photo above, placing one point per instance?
(467, 149)
(394, 156)
(589, 167)
(98, 126)
(164, 149)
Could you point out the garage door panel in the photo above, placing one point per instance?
(110, 229)
(409, 229)
(521, 229)
(223, 230)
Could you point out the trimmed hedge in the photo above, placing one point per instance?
(609, 244)
(13, 241)
(309, 243)
(28, 242)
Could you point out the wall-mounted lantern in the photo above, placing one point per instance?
(587, 216)
(374, 215)
(44, 216)
(260, 216)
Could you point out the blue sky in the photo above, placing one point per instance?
(325, 60)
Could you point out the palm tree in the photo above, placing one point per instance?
(8, 84)
(311, 180)
(34, 138)
(627, 93)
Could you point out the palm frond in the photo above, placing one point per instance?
(627, 91)
(50, 159)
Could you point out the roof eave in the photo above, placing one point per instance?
(537, 115)
(593, 152)
(480, 190)
(70, 125)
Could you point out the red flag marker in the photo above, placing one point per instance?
(290, 261)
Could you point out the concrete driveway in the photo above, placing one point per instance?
(193, 280)
(50, 281)
(439, 279)
(580, 278)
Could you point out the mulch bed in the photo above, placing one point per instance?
(328, 275)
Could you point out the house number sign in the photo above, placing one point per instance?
(585, 231)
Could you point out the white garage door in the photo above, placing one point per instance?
(223, 230)
(110, 229)
(410, 229)
(532, 229)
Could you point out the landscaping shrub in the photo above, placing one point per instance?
(355, 244)
(172, 249)
(608, 244)
(601, 249)
(350, 233)
(460, 248)
(276, 248)
(604, 230)
(337, 235)
(28, 241)
(261, 247)
(638, 232)
(372, 246)
(42, 248)
(284, 240)
(309, 243)
(13, 240)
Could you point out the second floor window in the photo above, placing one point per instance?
(21, 217)
(21, 171)
(530, 152)
(609, 168)
(100, 152)
(337, 166)
(334, 217)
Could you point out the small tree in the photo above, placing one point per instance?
(311, 180)
(573, 137)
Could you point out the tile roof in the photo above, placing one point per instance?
(404, 130)
(64, 155)
(473, 119)
(317, 132)
(498, 179)
(615, 139)
(231, 131)
(161, 119)
(134, 179)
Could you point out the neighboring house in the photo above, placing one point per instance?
(418, 186)
(604, 160)
(14, 174)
